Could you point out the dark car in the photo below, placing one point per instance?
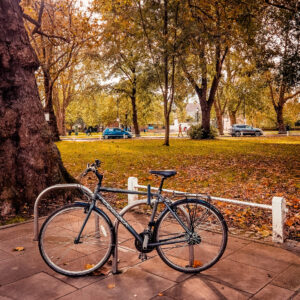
(238, 130)
(115, 133)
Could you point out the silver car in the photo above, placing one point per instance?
(238, 130)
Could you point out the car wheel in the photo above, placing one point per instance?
(106, 137)
(257, 133)
(237, 133)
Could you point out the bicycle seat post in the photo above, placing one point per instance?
(161, 184)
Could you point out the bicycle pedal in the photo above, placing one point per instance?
(143, 256)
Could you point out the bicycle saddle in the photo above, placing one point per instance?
(166, 174)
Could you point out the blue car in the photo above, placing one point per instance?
(115, 133)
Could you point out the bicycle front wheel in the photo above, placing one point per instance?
(198, 251)
(59, 231)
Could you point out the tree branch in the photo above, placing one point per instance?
(281, 6)
(291, 96)
(272, 96)
(34, 22)
(50, 36)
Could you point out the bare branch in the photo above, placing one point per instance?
(195, 7)
(278, 5)
(39, 18)
(291, 96)
(28, 18)
(50, 36)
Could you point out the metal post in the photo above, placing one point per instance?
(51, 188)
(132, 186)
(278, 218)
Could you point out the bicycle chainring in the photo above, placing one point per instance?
(139, 245)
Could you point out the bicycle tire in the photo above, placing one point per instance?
(57, 235)
(210, 231)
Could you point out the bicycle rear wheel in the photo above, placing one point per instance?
(58, 233)
(205, 247)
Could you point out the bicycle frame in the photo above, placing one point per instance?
(160, 199)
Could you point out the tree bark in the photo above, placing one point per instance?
(219, 115)
(29, 160)
(278, 107)
(167, 132)
(166, 75)
(279, 117)
(48, 109)
(232, 117)
(134, 109)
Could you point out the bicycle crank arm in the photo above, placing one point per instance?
(145, 242)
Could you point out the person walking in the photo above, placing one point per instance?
(180, 131)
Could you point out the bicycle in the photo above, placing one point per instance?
(189, 235)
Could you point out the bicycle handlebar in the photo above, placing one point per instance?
(94, 168)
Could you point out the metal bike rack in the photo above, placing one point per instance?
(84, 189)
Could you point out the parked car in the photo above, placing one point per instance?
(115, 133)
(238, 130)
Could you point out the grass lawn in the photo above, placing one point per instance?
(249, 169)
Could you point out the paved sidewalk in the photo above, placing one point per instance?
(247, 270)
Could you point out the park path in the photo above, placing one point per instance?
(247, 270)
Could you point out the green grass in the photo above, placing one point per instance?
(249, 169)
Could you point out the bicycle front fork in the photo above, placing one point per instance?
(92, 205)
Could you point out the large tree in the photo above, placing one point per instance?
(29, 160)
(62, 31)
(159, 21)
(212, 28)
(278, 54)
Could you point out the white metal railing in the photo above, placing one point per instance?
(278, 206)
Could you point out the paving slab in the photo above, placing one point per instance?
(22, 266)
(196, 288)
(235, 243)
(273, 292)
(158, 267)
(5, 255)
(289, 279)
(38, 286)
(265, 257)
(19, 241)
(16, 231)
(133, 284)
(79, 282)
(241, 276)
(272, 252)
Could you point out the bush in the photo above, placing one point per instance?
(196, 132)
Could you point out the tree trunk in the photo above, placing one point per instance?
(219, 118)
(167, 130)
(48, 109)
(63, 121)
(134, 110)
(232, 117)
(279, 116)
(29, 160)
(205, 120)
